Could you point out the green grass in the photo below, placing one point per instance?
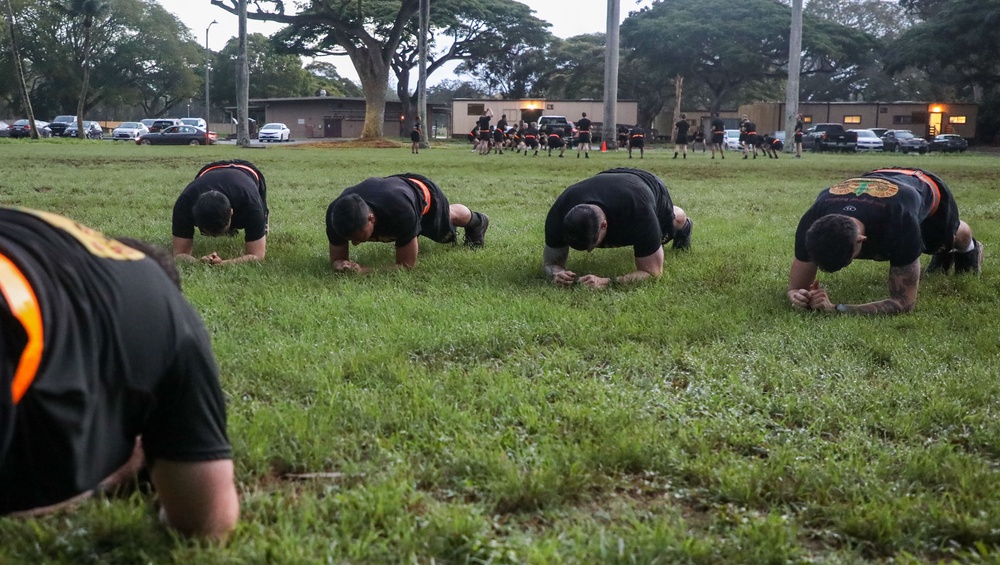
(469, 412)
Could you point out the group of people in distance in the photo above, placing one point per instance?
(486, 138)
(106, 368)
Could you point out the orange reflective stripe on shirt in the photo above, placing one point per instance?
(427, 194)
(252, 172)
(935, 189)
(23, 305)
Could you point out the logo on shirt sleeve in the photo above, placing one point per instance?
(93, 240)
(878, 188)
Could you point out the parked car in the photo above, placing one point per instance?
(196, 122)
(548, 123)
(178, 135)
(829, 137)
(93, 130)
(22, 128)
(274, 132)
(147, 122)
(4, 129)
(129, 131)
(732, 140)
(879, 131)
(867, 140)
(948, 143)
(903, 141)
(162, 124)
(59, 124)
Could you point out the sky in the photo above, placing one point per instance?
(568, 18)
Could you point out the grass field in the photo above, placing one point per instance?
(470, 412)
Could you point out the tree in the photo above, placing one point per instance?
(447, 90)
(272, 74)
(88, 11)
(577, 68)
(324, 76)
(367, 31)
(15, 56)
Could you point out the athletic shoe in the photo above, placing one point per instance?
(971, 261)
(941, 262)
(682, 239)
(474, 236)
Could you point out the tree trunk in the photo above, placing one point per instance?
(243, 83)
(19, 67)
(374, 81)
(608, 130)
(88, 24)
(678, 95)
(425, 17)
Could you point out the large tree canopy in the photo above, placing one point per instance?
(367, 31)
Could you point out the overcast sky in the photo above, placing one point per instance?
(568, 18)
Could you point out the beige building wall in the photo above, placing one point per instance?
(924, 119)
(465, 112)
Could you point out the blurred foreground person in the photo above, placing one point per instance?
(104, 365)
(889, 215)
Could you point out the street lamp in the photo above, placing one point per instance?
(208, 111)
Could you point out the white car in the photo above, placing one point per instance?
(196, 122)
(868, 140)
(129, 131)
(274, 132)
(732, 140)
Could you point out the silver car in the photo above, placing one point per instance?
(129, 131)
(868, 140)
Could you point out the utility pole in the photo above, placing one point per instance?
(208, 106)
(243, 83)
(425, 127)
(794, 70)
(611, 74)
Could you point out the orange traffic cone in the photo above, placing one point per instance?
(604, 146)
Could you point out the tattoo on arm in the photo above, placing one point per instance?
(903, 282)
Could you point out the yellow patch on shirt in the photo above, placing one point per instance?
(93, 240)
(879, 188)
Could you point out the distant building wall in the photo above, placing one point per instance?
(925, 119)
(335, 117)
(465, 111)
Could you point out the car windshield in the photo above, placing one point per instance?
(274, 126)
(865, 133)
(130, 125)
(904, 135)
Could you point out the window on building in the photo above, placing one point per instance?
(807, 119)
(956, 119)
(476, 109)
(852, 119)
(902, 120)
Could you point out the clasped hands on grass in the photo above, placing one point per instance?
(569, 278)
(812, 298)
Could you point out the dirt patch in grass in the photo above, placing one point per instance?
(380, 143)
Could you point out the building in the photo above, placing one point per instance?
(316, 117)
(465, 111)
(924, 119)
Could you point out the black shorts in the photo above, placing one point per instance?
(436, 223)
(681, 139)
(485, 136)
(531, 142)
(718, 138)
(798, 137)
(637, 142)
(414, 136)
(743, 137)
(938, 230)
(555, 142)
(583, 137)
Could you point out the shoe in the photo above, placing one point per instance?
(970, 261)
(474, 236)
(941, 262)
(682, 239)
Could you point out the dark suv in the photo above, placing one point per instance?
(162, 124)
(548, 123)
(903, 141)
(59, 124)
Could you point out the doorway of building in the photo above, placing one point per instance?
(332, 127)
(530, 115)
(934, 125)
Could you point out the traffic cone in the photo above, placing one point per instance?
(604, 146)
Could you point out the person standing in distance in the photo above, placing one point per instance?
(583, 136)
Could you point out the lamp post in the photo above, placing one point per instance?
(208, 111)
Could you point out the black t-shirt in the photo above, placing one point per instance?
(483, 122)
(583, 125)
(682, 128)
(637, 132)
(397, 204)
(751, 127)
(249, 209)
(890, 205)
(502, 125)
(636, 204)
(124, 355)
(718, 126)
